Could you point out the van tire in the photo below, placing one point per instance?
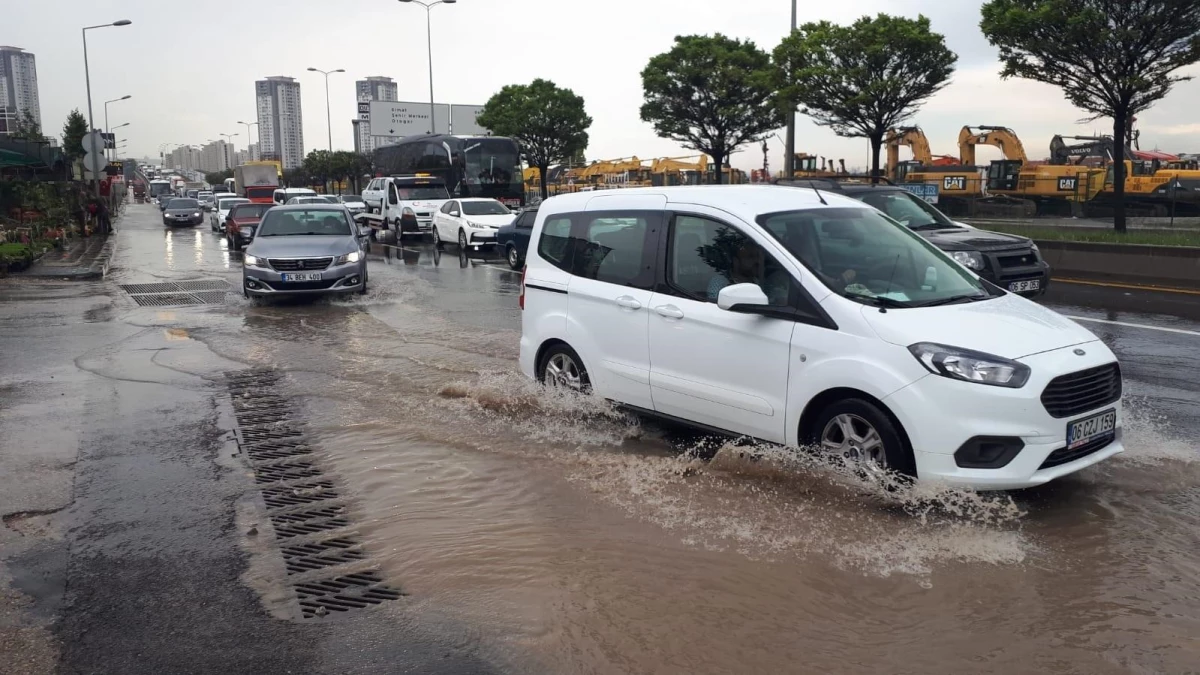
(561, 358)
(863, 414)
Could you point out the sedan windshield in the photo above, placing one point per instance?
(183, 204)
(907, 209)
(488, 208)
(303, 223)
(330, 199)
(866, 257)
(249, 210)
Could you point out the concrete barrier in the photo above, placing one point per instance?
(1172, 266)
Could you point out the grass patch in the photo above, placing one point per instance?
(1181, 238)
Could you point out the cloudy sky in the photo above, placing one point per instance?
(191, 66)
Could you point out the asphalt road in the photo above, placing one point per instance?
(136, 533)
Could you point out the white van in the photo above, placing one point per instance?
(282, 195)
(808, 318)
(409, 202)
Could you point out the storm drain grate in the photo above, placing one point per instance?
(341, 594)
(275, 473)
(299, 498)
(179, 293)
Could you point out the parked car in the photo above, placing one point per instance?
(353, 203)
(373, 194)
(241, 222)
(183, 211)
(470, 222)
(514, 237)
(216, 222)
(1007, 260)
(282, 195)
(305, 249)
(808, 318)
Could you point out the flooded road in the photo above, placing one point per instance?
(571, 538)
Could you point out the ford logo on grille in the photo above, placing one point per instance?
(1080, 352)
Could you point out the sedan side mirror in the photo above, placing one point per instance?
(454, 213)
(741, 298)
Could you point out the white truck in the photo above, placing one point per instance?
(407, 203)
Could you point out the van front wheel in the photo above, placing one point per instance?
(861, 433)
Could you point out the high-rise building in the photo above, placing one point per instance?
(184, 158)
(374, 88)
(18, 89)
(252, 153)
(216, 156)
(280, 122)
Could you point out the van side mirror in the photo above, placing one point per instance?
(741, 298)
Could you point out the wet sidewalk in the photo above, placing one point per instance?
(81, 259)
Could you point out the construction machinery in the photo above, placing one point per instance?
(957, 183)
(1033, 187)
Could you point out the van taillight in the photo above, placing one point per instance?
(521, 299)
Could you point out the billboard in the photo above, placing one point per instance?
(406, 118)
(462, 120)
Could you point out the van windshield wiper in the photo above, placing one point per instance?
(879, 301)
(953, 299)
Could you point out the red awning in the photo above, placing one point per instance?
(1154, 154)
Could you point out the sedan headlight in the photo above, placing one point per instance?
(970, 366)
(352, 257)
(254, 261)
(969, 259)
(196, 214)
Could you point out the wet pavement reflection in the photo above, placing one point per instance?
(575, 538)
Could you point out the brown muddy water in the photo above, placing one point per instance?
(575, 539)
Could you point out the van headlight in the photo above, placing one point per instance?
(969, 259)
(352, 257)
(970, 366)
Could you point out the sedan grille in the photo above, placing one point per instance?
(1085, 390)
(298, 264)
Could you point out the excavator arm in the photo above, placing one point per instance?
(999, 137)
(915, 139)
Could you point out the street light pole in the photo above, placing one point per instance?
(429, 42)
(789, 151)
(328, 120)
(248, 125)
(228, 161)
(107, 130)
(110, 131)
(87, 73)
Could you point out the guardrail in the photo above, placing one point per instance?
(1140, 264)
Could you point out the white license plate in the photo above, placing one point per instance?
(1091, 428)
(1023, 286)
(309, 276)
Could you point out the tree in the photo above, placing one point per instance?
(548, 122)
(27, 128)
(1112, 58)
(75, 128)
(863, 79)
(218, 177)
(711, 94)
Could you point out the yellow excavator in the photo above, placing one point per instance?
(1040, 187)
(957, 184)
(687, 170)
(806, 167)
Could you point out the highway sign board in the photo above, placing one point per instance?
(462, 120)
(406, 118)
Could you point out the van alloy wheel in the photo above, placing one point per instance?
(854, 439)
(562, 371)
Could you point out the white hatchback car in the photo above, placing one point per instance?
(808, 318)
(470, 222)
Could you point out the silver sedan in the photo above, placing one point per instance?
(305, 249)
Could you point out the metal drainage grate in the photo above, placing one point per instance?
(341, 594)
(179, 293)
(301, 501)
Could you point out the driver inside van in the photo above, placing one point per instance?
(749, 266)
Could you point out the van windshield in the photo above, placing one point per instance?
(864, 256)
(423, 192)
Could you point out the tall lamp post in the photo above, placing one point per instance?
(87, 73)
(107, 130)
(328, 121)
(429, 41)
(248, 125)
(228, 142)
(789, 150)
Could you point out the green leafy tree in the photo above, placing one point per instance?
(217, 177)
(711, 94)
(548, 122)
(74, 130)
(1112, 58)
(863, 79)
(319, 166)
(27, 128)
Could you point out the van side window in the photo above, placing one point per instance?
(554, 243)
(704, 256)
(611, 247)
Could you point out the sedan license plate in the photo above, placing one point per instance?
(310, 276)
(1091, 428)
(1023, 286)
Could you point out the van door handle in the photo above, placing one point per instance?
(669, 311)
(629, 302)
